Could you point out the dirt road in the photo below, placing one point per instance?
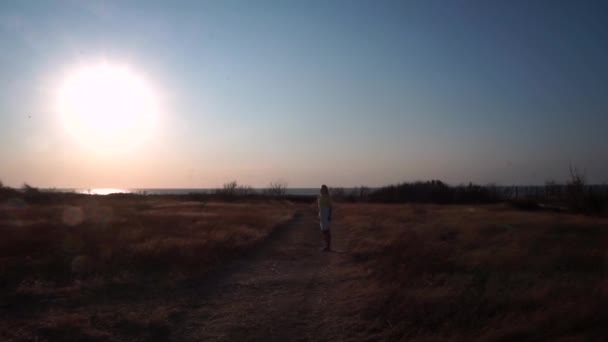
(286, 290)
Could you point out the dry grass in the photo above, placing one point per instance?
(479, 273)
(74, 271)
(54, 257)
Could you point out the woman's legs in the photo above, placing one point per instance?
(327, 237)
(325, 231)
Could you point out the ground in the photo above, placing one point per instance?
(255, 272)
(281, 288)
(287, 290)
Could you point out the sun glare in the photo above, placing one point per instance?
(107, 107)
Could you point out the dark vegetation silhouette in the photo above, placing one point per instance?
(573, 195)
(7, 192)
(434, 191)
(232, 191)
(276, 189)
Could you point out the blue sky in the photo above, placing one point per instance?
(310, 92)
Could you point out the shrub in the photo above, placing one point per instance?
(232, 190)
(276, 189)
(434, 191)
(575, 189)
(7, 192)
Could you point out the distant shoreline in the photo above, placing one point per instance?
(175, 191)
(522, 189)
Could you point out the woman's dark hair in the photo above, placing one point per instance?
(324, 190)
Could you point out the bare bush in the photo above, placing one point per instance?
(232, 190)
(229, 188)
(244, 190)
(575, 188)
(358, 194)
(276, 189)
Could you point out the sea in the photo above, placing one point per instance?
(509, 191)
(175, 191)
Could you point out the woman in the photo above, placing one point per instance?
(325, 207)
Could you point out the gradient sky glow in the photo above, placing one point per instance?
(309, 92)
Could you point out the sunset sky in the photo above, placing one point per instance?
(308, 92)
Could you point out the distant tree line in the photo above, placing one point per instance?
(434, 191)
(573, 195)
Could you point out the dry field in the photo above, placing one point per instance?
(479, 273)
(100, 250)
(147, 269)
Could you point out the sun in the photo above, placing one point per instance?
(107, 108)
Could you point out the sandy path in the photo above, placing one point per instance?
(286, 290)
